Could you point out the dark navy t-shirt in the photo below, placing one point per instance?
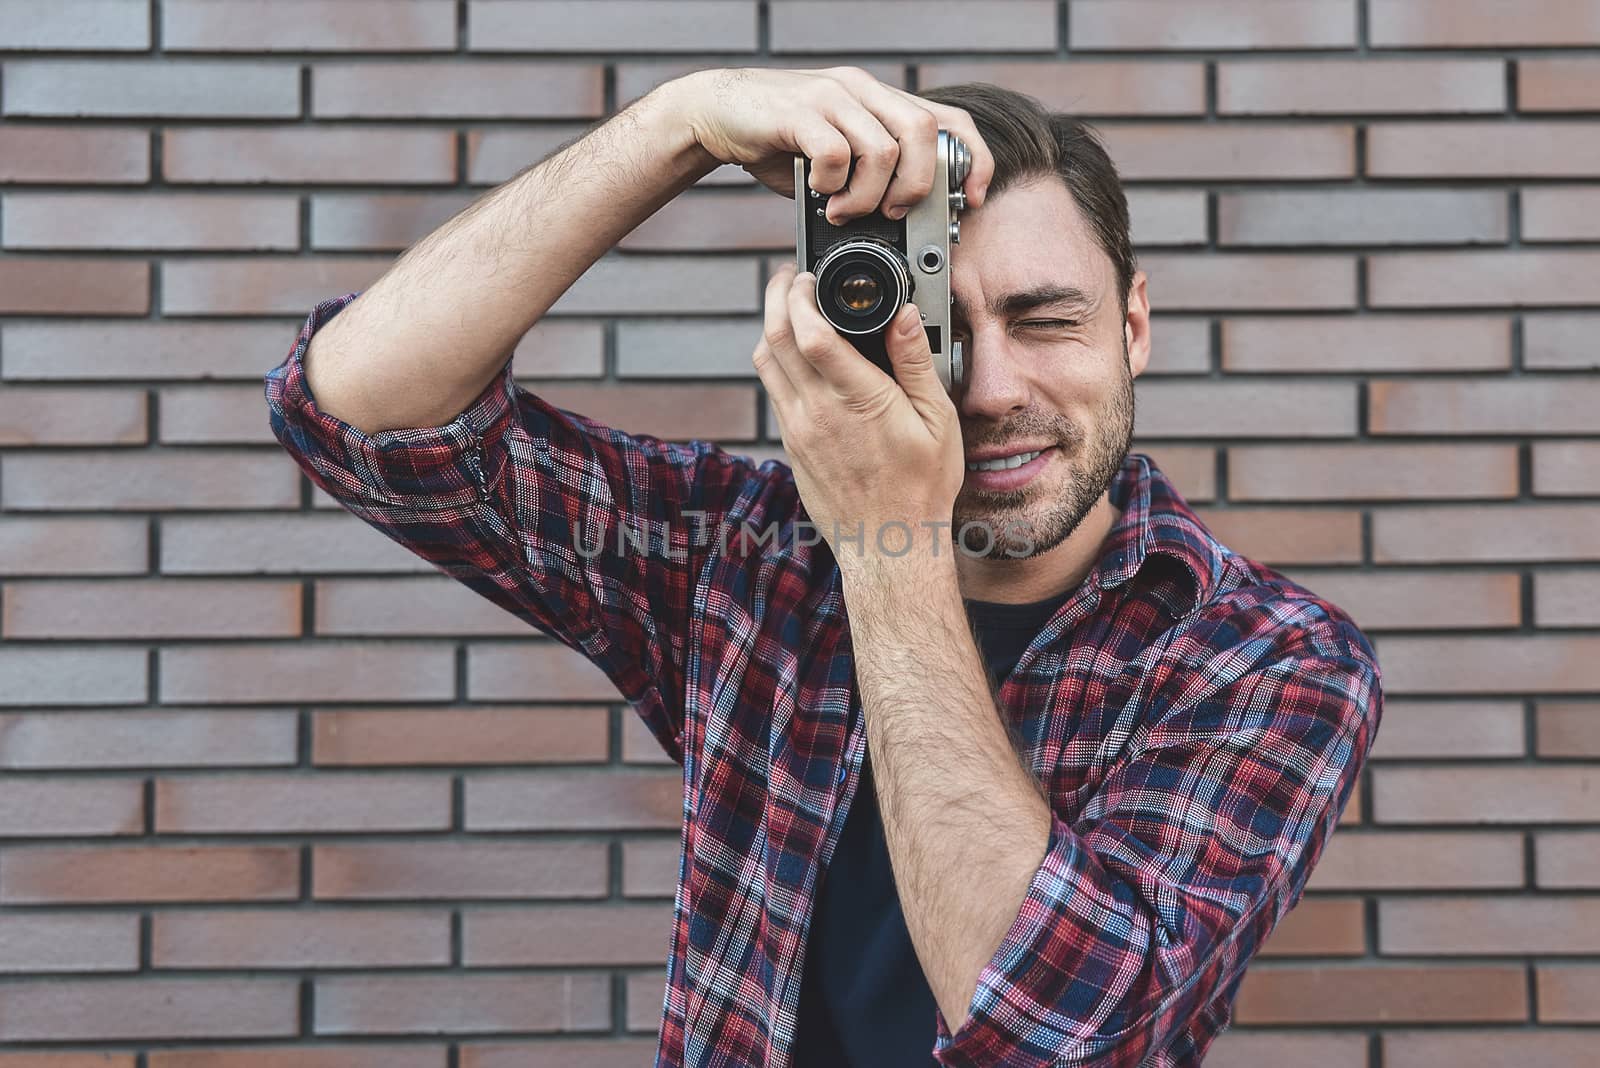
(864, 1000)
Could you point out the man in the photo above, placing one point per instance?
(1017, 765)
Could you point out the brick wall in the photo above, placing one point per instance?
(274, 793)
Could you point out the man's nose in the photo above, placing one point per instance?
(994, 384)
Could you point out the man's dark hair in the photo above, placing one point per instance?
(1028, 141)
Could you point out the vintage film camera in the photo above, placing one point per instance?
(868, 267)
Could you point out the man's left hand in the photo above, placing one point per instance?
(866, 448)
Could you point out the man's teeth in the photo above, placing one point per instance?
(1004, 462)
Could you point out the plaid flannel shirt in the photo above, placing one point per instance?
(1198, 720)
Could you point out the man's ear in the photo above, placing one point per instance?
(1136, 326)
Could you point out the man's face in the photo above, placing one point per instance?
(1050, 364)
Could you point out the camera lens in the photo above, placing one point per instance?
(861, 284)
(860, 293)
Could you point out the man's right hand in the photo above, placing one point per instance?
(761, 119)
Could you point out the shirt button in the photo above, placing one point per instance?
(843, 772)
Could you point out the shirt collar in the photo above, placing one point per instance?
(1156, 521)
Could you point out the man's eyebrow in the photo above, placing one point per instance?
(1009, 304)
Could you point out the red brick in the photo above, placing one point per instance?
(663, 285)
(39, 1059)
(203, 415)
(1284, 536)
(44, 808)
(152, 608)
(1268, 281)
(473, 735)
(324, 671)
(131, 739)
(1493, 794)
(561, 348)
(1410, 600)
(36, 285)
(1485, 1049)
(1557, 341)
(495, 155)
(1483, 150)
(1568, 994)
(276, 286)
(565, 935)
(72, 675)
(558, 1053)
(1192, 468)
(1320, 927)
(1419, 860)
(1530, 405)
(85, 25)
(164, 88)
(364, 1055)
(1566, 468)
(714, 220)
(308, 26)
(1568, 728)
(300, 938)
(150, 221)
(722, 413)
(1167, 217)
(1360, 86)
(1534, 664)
(470, 90)
(1488, 926)
(1464, 279)
(149, 479)
(1362, 217)
(1560, 213)
(101, 874)
(1187, 409)
(1450, 533)
(1370, 472)
(111, 349)
(673, 348)
(1560, 84)
(307, 154)
(69, 942)
(388, 221)
(646, 991)
(45, 416)
(280, 544)
(1230, 151)
(1088, 88)
(90, 1009)
(434, 606)
(1489, 23)
(1329, 344)
(650, 867)
(639, 746)
(1565, 860)
(881, 26)
(1450, 728)
(580, 799)
(534, 671)
(462, 1004)
(611, 26)
(1211, 24)
(1380, 994)
(104, 156)
(299, 803)
(635, 78)
(1275, 1049)
(62, 546)
(1567, 599)
(459, 869)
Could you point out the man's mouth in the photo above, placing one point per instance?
(1002, 463)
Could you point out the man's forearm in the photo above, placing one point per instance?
(424, 339)
(965, 824)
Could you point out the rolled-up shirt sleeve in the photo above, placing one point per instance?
(589, 534)
(1151, 902)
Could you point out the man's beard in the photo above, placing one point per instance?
(999, 525)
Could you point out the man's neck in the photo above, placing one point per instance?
(1059, 570)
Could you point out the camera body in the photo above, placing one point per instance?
(867, 268)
